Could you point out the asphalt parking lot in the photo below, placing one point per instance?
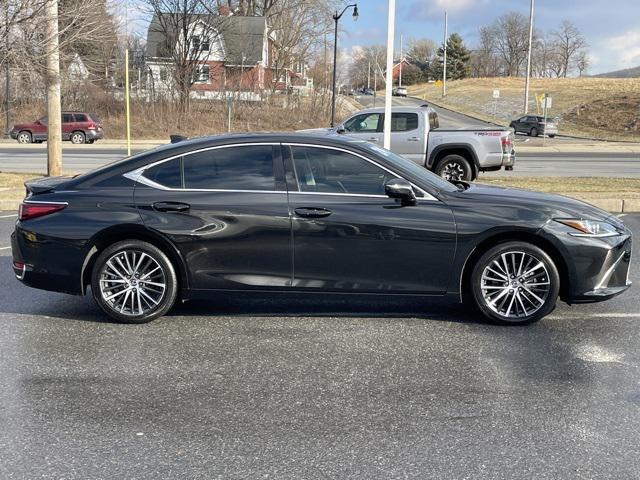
(292, 388)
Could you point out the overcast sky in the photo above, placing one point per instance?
(612, 27)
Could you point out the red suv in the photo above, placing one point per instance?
(79, 127)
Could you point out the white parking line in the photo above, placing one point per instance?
(9, 216)
(593, 315)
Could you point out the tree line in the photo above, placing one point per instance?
(500, 51)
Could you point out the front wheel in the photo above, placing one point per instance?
(534, 132)
(134, 282)
(455, 168)
(515, 283)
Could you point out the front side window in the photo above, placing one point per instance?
(324, 170)
(233, 168)
(404, 122)
(367, 122)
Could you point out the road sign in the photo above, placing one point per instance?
(546, 102)
(496, 93)
(438, 83)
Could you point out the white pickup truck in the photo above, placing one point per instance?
(416, 135)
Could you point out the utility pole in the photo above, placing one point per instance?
(54, 110)
(7, 86)
(444, 66)
(400, 73)
(388, 87)
(126, 77)
(526, 84)
(369, 76)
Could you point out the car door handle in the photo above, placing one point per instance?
(312, 212)
(373, 139)
(171, 206)
(413, 139)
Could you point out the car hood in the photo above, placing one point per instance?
(542, 204)
(19, 126)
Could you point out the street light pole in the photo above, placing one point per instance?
(444, 66)
(526, 84)
(389, 74)
(337, 17)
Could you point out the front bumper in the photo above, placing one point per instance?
(13, 134)
(598, 268)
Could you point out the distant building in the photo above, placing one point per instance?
(232, 54)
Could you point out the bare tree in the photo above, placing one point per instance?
(583, 62)
(511, 33)
(568, 42)
(421, 52)
(484, 60)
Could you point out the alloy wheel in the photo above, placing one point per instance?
(24, 137)
(515, 285)
(453, 171)
(132, 283)
(77, 138)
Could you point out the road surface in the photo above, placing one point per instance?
(293, 389)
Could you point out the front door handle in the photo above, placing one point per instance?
(413, 139)
(312, 212)
(373, 139)
(171, 206)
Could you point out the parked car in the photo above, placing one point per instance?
(78, 127)
(416, 135)
(368, 91)
(399, 92)
(227, 214)
(534, 125)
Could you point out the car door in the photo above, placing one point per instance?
(225, 209)
(366, 126)
(348, 236)
(407, 138)
(67, 125)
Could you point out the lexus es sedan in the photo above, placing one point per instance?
(301, 213)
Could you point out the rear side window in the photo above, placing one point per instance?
(80, 117)
(404, 122)
(95, 118)
(234, 168)
(167, 174)
(67, 118)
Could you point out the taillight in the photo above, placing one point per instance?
(506, 144)
(34, 210)
(92, 126)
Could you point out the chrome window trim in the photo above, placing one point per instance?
(137, 175)
(426, 195)
(45, 202)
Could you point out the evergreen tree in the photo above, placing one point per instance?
(458, 57)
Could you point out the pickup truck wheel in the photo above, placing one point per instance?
(454, 167)
(534, 132)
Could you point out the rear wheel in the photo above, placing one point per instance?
(515, 283)
(534, 132)
(552, 135)
(455, 168)
(25, 137)
(134, 282)
(78, 138)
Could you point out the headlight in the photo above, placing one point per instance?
(589, 228)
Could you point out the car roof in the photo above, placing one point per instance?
(425, 108)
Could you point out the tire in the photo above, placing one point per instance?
(502, 293)
(78, 138)
(455, 167)
(91, 141)
(24, 137)
(533, 132)
(552, 135)
(118, 264)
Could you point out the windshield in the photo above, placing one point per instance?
(412, 168)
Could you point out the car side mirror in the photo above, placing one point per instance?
(401, 189)
(340, 129)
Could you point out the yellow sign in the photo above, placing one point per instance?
(438, 83)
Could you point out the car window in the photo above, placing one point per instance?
(433, 121)
(67, 118)
(95, 118)
(367, 122)
(404, 122)
(167, 174)
(239, 167)
(80, 117)
(324, 170)
(43, 120)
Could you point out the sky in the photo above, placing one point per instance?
(611, 27)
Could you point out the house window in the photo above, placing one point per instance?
(201, 74)
(163, 74)
(199, 44)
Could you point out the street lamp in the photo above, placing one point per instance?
(337, 17)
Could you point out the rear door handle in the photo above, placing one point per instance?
(171, 206)
(312, 212)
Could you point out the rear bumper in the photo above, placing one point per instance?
(94, 134)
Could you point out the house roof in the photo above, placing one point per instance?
(241, 36)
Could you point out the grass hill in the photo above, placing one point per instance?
(626, 73)
(604, 108)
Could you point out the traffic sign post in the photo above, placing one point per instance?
(546, 105)
(496, 96)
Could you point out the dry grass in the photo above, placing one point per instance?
(604, 108)
(12, 185)
(573, 186)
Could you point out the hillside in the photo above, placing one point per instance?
(626, 73)
(589, 107)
